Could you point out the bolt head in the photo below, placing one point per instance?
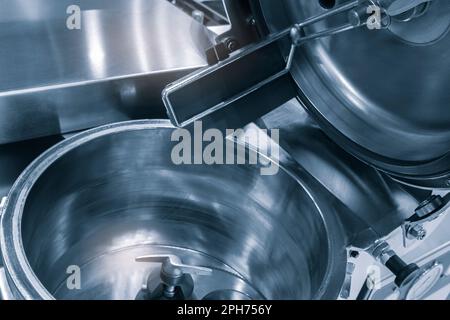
(417, 232)
(251, 21)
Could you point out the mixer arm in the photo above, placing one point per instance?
(247, 78)
(228, 91)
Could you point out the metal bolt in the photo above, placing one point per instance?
(232, 44)
(251, 21)
(417, 232)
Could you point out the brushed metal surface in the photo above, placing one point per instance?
(55, 80)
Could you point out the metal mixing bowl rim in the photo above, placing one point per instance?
(14, 257)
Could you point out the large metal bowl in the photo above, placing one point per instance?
(108, 195)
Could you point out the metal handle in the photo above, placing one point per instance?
(172, 263)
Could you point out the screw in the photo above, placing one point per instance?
(232, 45)
(251, 21)
(354, 254)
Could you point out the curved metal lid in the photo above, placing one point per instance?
(382, 94)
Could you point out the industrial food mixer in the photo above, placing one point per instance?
(358, 91)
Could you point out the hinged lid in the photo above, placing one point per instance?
(374, 73)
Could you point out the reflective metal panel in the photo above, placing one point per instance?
(54, 79)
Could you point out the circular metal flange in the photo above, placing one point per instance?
(423, 25)
(381, 97)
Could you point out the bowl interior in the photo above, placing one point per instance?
(120, 196)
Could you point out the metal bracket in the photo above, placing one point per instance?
(246, 78)
(427, 211)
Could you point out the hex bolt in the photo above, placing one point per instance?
(251, 21)
(232, 44)
(417, 232)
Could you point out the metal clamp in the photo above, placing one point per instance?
(429, 210)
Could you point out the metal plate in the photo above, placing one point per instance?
(384, 99)
(56, 80)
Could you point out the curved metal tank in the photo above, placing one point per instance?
(102, 198)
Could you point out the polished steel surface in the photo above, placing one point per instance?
(373, 197)
(15, 157)
(382, 93)
(114, 68)
(106, 196)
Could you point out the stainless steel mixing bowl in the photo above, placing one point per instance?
(106, 196)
